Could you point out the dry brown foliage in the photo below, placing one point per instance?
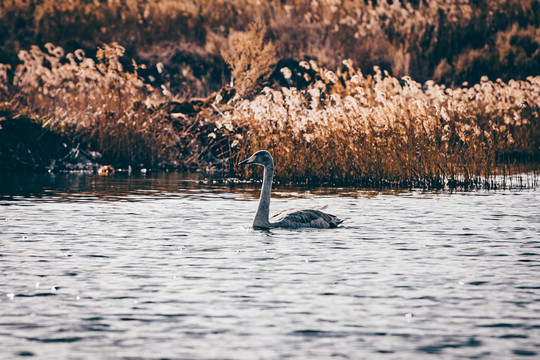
(497, 38)
(97, 103)
(345, 128)
(251, 58)
(349, 128)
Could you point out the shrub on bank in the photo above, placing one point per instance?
(25, 143)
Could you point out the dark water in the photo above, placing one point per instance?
(151, 268)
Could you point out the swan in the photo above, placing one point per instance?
(289, 218)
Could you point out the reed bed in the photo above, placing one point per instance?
(192, 85)
(344, 128)
(348, 128)
(99, 105)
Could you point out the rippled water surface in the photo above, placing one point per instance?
(160, 267)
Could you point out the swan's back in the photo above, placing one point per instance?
(297, 218)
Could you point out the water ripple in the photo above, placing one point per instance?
(157, 268)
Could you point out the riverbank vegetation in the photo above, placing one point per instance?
(340, 92)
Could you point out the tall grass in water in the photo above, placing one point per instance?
(344, 128)
(96, 103)
(348, 128)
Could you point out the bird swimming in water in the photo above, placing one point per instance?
(289, 218)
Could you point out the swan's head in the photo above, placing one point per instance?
(262, 157)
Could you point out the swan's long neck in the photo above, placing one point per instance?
(263, 212)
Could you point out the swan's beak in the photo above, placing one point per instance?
(249, 160)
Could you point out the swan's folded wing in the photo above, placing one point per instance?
(295, 218)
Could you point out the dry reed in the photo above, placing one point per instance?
(448, 41)
(344, 127)
(353, 129)
(99, 104)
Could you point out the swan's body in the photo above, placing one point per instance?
(289, 218)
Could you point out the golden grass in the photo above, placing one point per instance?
(448, 41)
(349, 128)
(249, 57)
(99, 104)
(345, 128)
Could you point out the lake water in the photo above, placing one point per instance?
(159, 267)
